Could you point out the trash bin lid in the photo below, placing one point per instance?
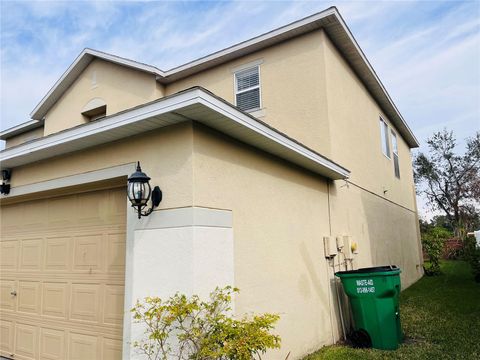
(386, 270)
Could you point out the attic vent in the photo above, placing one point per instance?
(95, 109)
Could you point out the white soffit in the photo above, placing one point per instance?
(330, 20)
(195, 104)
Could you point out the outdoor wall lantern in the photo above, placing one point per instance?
(4, 187)
(139, 192)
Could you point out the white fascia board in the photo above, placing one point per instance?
(19, 129)
(14, 155)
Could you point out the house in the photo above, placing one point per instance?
(261, 150)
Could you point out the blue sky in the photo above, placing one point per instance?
(427, 53)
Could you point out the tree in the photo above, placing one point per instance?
(451, 182)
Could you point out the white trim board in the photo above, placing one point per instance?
(195, 104)
(330, 20)
(72, 180)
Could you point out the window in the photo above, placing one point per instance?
(384, 138)
(247, 89)
(395, 155)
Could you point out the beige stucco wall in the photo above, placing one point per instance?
(355, 132)
(24, 137)
(120, 87)
(292, 88)
(280, 214)
(165, 155)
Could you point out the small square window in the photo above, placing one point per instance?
(247, 89)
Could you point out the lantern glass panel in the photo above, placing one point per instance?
(139, 193)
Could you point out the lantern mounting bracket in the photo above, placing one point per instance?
(156, 198)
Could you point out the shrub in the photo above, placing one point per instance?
(453, 249)
(433, 245)
(188, 328)
(472, 255)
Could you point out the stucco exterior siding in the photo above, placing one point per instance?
(24, 137)
(293, 99)
(120, 87)
(166, 153)
(355, 132)
(280, 215)
(386, 233)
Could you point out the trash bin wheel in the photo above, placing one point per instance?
(360, 339)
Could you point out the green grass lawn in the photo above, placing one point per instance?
(440, 318)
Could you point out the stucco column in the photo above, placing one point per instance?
(187, 250)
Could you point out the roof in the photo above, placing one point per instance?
(195, 104)
(330, 20)
(20, 129)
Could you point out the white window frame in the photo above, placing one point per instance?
(235, 87)
(395, 153)
(385, 138)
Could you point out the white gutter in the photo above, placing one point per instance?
(220, 115)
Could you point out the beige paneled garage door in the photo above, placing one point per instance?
(62, 266)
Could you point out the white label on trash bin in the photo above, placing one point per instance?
(365, 286)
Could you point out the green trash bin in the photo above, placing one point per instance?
(374, 299)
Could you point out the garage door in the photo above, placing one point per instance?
(62, 266)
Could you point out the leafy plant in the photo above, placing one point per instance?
(433, 244)
(472, 255)
(188, 328)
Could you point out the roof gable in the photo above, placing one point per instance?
(330, 20)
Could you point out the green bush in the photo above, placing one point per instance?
(433, 241)
(188, 328)
(472, 255)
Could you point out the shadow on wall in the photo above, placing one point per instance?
(393, 236)
(386, 233)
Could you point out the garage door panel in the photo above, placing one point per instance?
(113, 304)
(88, 253)
(28, 295)
(8, 254)
(57, 253)
(85, 302)
(6, 336)
(115, 253)
(7, 299)
(65, 259)
(112, 349)
(52, 344)
(31, 254)
(82, 347)
(54, 302)
(26, 340)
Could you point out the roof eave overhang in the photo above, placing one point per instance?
(330, 20)
(195, 104)
(20, 129)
